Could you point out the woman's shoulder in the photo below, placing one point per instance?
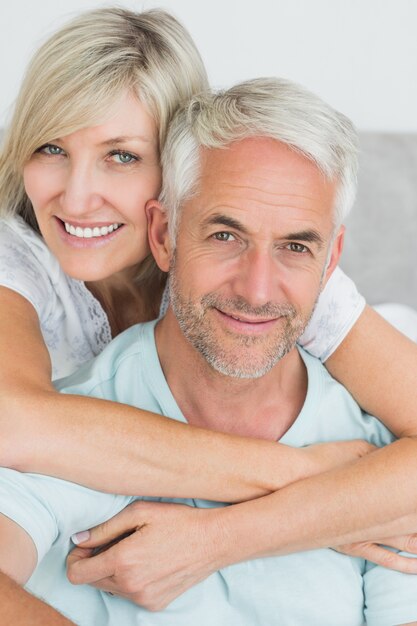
(16, 234)
(73, 324)
(23, 251)
(338, 308)
(26, 264)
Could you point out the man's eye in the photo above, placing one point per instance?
(223, 236)
(50, 149)
(123, 158)
(297, 247)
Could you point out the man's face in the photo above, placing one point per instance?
(250, 255)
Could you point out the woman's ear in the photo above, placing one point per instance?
(158, 236)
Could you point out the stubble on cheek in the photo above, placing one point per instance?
(238, 356)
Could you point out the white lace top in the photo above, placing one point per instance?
(75, 326)
(338, 308)
(73, 323)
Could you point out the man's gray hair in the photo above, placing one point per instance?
(264, 107)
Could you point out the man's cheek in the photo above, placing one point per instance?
(305, 290)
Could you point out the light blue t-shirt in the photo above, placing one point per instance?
(314, 588)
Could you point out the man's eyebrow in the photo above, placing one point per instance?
(224, 220)
(309, 236)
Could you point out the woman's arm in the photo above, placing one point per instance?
(365, 500)
(118, 448)
(368, 499)
(20, 608)
(378, 365)
(18, 560)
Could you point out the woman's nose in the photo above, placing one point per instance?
(82, 191)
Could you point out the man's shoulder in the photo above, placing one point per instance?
(316, 371)
(332, 412)
(129, 343)
(324, 388)
(123, 356)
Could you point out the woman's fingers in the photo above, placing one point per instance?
(384, 555)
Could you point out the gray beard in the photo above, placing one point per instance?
(195, 326)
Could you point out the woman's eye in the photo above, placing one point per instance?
(297, 247)
(123, 158)
(50, 149)
(223, 236)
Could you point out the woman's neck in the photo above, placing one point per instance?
(130, 297)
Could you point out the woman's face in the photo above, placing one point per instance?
(89, 191)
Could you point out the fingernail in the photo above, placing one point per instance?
(84, 535)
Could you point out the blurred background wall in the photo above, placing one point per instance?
(360, 55)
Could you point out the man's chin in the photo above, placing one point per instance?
(245, 365)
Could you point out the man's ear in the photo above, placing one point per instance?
(159, 240)
(335, 253)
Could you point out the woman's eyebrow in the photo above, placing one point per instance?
(125, 139)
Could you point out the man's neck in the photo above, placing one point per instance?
(262, 407)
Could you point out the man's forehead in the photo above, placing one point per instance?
(255, 150)
(263, 164)
(262, 172)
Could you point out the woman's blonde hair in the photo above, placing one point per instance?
(81, 71)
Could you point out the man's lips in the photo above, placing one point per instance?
(247, 320)
(244, 323)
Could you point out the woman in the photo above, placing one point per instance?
(79, 162)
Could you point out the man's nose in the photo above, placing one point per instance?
(82, 191)
(257, 279)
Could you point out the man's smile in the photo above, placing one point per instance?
(246, 324)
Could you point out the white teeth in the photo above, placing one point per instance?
(89, 232)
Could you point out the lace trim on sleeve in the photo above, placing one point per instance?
(338, 308)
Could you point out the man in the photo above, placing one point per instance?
(257, 181)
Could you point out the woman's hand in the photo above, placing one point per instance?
(382, 555)
(152, 552)
(170, 548)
